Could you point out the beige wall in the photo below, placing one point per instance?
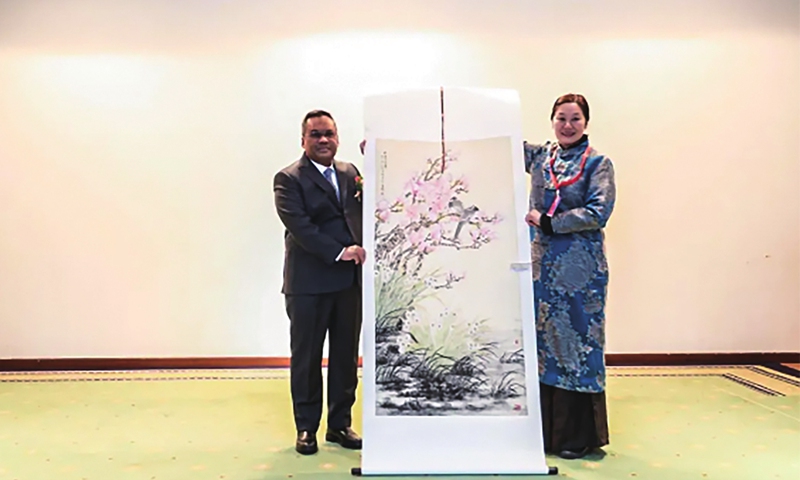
(138, 142)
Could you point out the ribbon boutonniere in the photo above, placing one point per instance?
(359, 186)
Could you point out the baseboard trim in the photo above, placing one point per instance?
(190, 363)
(682, 359)
(167, 363)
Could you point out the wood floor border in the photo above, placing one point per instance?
(189, 363)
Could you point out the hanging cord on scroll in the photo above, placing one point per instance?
(363, 143)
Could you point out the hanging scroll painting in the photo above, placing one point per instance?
(448, 329)
(449, 343)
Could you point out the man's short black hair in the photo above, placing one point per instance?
(315, 114)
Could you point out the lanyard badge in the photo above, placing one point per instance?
(554, 205)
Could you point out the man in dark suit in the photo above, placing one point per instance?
(319, 203)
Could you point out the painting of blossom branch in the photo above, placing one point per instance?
(448, 333)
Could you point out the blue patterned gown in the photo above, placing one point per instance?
(570, 273)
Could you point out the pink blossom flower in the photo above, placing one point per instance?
(439, 205)
(436, 232)
(413, 186)
(487, 233)
(475, 233)
(442, 186)
(413, 212)
(382, 211)
(416, 237)
(482, 234)
(432, 188)
(426, 247)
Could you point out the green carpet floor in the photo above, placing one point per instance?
(665, 424)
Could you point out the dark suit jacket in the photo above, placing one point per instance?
(318, 227)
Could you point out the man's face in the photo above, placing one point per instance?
(320, 140)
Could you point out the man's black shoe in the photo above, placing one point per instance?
(306, 443)
(345, 437)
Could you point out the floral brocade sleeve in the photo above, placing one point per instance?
(599, 202)
(533, 154)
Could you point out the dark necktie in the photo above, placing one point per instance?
(329, 176)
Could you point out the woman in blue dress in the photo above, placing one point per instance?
(572, 197)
